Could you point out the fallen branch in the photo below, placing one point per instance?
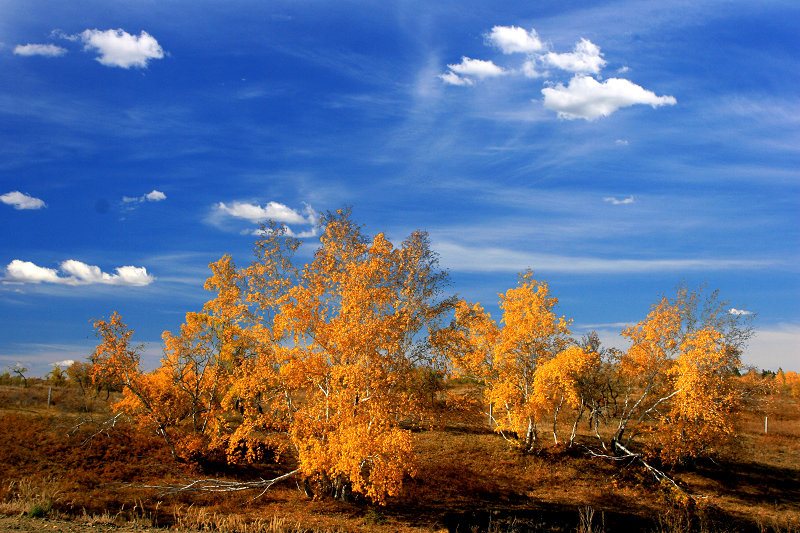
(222, 485)
(658, 474)
(102, 427)
(627, 454)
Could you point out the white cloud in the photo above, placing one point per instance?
(271, 211)
(584, 97)
(66, 363)
(131, 276)
(589, 99)
(617, 201)
(78, 273)
(739, 312)
(530, 71)
(27, 272)
(274, 211)
(477, 68)
(511, 39)
(622, 142)
(21, 200)
(623, 69)
(494, 259)
(153, 196)
(47, 50)
(585, 58)
(117, 48)
(451, 78)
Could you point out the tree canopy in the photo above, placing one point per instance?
(322, 366)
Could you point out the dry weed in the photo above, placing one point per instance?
(195, 518)
(26, 497)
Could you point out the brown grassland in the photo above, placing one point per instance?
(59, 471)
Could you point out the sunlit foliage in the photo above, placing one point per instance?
(318, 363)
(506, 357)
(327, 366)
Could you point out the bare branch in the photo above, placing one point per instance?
(221, 485)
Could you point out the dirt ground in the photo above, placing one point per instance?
(467, 479)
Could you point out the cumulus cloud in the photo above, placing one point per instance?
(530, 71)
(274, 211)
(739, 312)
(21, 200)
(271, 211)
(585, 58)
(584, 97)
(477, 68)
(462, 73)
(47, 50)
(452, 78)
(118, 48)
(622, 142)
(76, 273)
(590, 99)
(617, 201)
(511, 39)
(153, 196)
(27, 272)
(66, 363)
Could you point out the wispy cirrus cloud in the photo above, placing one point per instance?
(72, 272)
(619, 201)
(46, 50)
(20, 200)
(463, 258)
(774, 347)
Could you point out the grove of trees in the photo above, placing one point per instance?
(327, 367)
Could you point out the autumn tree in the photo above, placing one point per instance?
(569, 381)
(167, 400)
(506, 357)
(676, 383)
(57, 376)
(336, 345)
(20, 371)
(315, 363)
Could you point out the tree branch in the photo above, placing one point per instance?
(222, 485)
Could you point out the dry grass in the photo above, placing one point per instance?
(468, 479)
(24, 497)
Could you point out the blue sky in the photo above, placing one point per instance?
(615, 149)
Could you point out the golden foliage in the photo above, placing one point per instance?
(329, 365)
(506, 358)
(318, 362)
(700, 412)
